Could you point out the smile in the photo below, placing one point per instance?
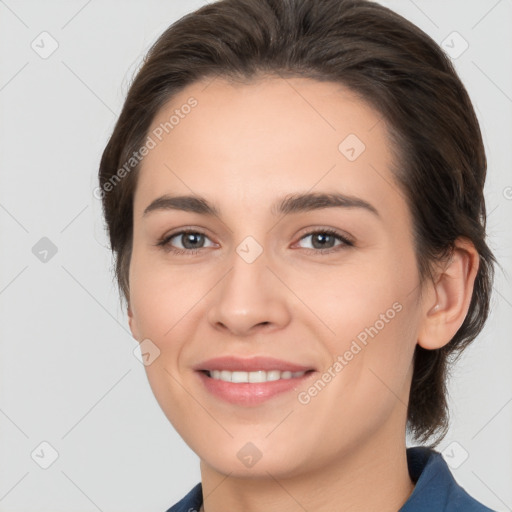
(254, 376)
(253, 388)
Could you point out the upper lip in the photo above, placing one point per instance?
(232, 363)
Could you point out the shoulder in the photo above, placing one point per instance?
(191, 502)
(436, 489)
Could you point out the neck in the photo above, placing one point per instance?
(373, 477)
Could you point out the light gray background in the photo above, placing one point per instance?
(68, 373)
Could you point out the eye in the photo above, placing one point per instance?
(323, 240)
(191, 242)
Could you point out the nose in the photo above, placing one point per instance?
(250, 298)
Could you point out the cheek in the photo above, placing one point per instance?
(363, 299)
(164, 302)
(168, 305)
(163, 297)
(372, 313)
(369, 386)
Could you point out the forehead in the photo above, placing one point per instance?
(270, 136)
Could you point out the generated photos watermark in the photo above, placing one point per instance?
(152, 140)
(358, 343)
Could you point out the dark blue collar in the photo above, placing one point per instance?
(436, 490)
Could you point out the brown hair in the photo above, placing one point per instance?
(392, 65)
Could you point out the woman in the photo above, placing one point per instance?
(294, 197)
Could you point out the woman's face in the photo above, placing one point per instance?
(331, 289)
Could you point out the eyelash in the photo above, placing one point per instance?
(165, 245)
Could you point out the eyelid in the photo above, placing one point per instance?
(165, 239)
(346, 239)
(343, 235)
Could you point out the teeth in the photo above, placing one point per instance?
(257, 376)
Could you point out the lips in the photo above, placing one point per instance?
(253, 364)
(251, 381)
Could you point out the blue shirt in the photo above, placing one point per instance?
(435, 488)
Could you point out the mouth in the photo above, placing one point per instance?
(250, 382)
(257, 376)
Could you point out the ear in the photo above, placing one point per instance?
(448, 298)
(132, 322)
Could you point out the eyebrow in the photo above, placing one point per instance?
(294, 203)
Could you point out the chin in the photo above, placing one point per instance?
(247, 460)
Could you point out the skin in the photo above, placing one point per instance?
(243, 147)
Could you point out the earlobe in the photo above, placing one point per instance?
(448, 304)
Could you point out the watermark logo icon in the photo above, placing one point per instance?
(44, 250)
(44, 45)
(44, 455)
(351, 147)
(249, 454)
(455, 455)
(249, 249)
(146, 352)
(454, 45)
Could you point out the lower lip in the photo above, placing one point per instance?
(251, 393)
